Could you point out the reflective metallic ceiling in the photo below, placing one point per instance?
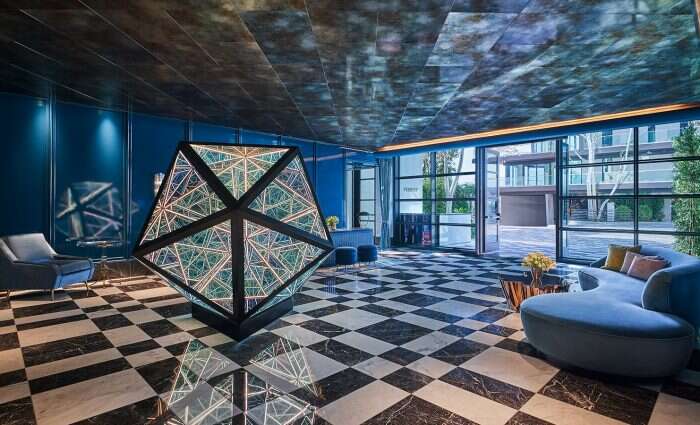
(360, 73)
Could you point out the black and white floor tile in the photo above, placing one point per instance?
(420, 338)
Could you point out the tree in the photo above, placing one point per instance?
(686, 179)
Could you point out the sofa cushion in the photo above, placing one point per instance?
(643, 267)
(629, 257)
(616, 256)
(620, 286)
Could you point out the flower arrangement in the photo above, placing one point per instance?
(539, 261)
(538, 264)
(332, 221)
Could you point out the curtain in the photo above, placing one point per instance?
(385, 181)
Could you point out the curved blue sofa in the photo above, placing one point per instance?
(618, 324)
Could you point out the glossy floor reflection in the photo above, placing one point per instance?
(422, 338)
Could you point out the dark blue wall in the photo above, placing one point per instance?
(91, 157)
(24, 165)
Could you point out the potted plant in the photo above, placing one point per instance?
(332, 222)
(538, 264)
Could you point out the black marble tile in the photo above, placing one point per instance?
(151, 411)
(138, 347)
(407, 379)
(495, 291)
(117, 298)
(159, 328)
(325, 311)
(49, 307)
(178, 348)
(487, 387)
(129, 308)
(340, 352)
(459, 351)
(160, 298)
(242, 352)
(334, 387)
(65, 348)
(457, 330)
(174, 310)
(415, 410)
(627, 403)
(418, 300)
(475, 301)
(160, 375)
(394, 331)
(300, 298)
(490, 315)
(111, 322)
(521, 347)
(13, 377)
(498, 330)
(437, 315)
(57, 321)
(401, 356)
(18, 412)
(141, 286)
(80, 374)
(522, 418)
(202, 332)
(321, 327)
(99, 308)
(9, 341)
(384, 311)
(681, 389)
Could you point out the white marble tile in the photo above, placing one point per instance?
(432, 367)
(55, 332)
(11, 360)
(354, 303)
(392, 294)
(90, 302)
(353, 319)
(397, 305)
(365, 343)
(466, 404)
(296, 369)
(511, 321)
(456, 308)
(514, 368)
(362, 404)
(377, 367)
(430, 343)
(47, 316)
(175, 338)
(125, 335)
(295, 319)
(303, 308)
(675, 410)
(8, 329)
(299, 335)
(142, 316)
(152, 293)
(85, 399)
(471, 324)
(215, 339)
(560, 413)
(148, 357)
(14, 392)
(186, 323)
(484, 338)
(463, 286)
(423, 321)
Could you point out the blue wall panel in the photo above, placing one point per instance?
(24, 165)
(308, 151)
(257, 138)
(330, 180)
(202, 132)
(90, 169)
(154, 143)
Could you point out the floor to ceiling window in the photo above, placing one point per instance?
(626, 186)
(435, 197)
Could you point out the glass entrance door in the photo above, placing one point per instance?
(492, 206)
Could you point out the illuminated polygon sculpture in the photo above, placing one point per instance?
(237, 230)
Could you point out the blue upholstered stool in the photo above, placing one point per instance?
(345, 256)
(367, 253)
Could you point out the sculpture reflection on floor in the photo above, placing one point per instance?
(210, 388)
(238, 230)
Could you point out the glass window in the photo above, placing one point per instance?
(367, 189)
(455, 206)
(591, 245)
(661, 141)
(414, 188)
(593, 148)
(597, 213)
(415, 207)
(455, 161)
(366, 207)
(455, 186)
(414, 165)
(457, 236)
(669, 214)
(606, 180)
(464, 219)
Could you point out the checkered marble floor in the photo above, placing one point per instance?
(421, 338)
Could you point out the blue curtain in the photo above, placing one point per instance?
(385, 181)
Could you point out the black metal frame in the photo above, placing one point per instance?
(239, 323)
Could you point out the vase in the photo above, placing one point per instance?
(332, 227)
(536, 277)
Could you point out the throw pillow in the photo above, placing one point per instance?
(616, 256)
(629, 256)
(643, 267)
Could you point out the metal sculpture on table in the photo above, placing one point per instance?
(237, 229)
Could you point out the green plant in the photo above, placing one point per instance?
(332, 221)
(686, 211)
(623, 213)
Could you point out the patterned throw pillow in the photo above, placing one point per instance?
(643, 267)
(616, 256)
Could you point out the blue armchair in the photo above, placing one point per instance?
(28, 262)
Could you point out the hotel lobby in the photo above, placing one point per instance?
(311, 212)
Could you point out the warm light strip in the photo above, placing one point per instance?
(543, 126)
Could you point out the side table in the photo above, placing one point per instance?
(517, 287)
(101, 267)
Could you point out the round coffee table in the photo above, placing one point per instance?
(102, 267)
(517, 287)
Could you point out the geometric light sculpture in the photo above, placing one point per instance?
(237, 230)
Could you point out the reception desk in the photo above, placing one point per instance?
(348, 237)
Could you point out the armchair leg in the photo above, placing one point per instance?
(87, 287)
(52, 295)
